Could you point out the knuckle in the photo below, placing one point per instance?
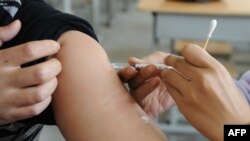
(192, 100)
(40, 75)
(28, 51)
(34, 111)
(58, 64)
(56, 61)
(39, 95)
(204, 82)
(193, 97)
(55, 82)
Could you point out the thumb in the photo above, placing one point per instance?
(134, 60)
(10, 31)
(197, 56)
(154, 58)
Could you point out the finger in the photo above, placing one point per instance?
(156, 57)
(145, 89)
(37, 74)
(180, 64)
(28, 52)
(33, 95)
(10, 31)
(143, 75)
(30, 111)
(134, 60)
(175, 94)
(127, 74)
(197, 56)
(174, 79)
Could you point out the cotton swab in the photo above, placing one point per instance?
(212, 27)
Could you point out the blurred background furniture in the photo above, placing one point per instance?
(184, 22)
(174, 19)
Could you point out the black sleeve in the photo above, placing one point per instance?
(40, 21)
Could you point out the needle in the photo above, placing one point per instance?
(212, 27)
(119, 66)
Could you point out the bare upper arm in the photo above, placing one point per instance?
(90, 102)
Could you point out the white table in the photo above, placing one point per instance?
(178, 20)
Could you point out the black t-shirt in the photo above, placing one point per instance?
(39, 21)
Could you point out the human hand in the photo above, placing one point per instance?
(25, 92)
(146, 86)
(210, 99)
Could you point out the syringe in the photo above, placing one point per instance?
(119, 66)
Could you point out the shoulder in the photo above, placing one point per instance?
(44, 22)
(78, 43)
(78, 50)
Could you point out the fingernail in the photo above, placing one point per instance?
(57, 45)
(15, 22)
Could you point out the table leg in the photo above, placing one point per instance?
(156, 40)
(125, 5)
(110, 11)
(67, 6)
(95, 8)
